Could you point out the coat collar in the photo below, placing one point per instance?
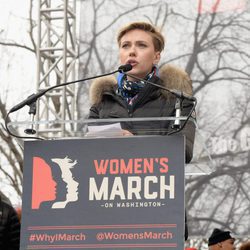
(172, 77)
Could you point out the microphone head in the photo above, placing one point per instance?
(125, 68)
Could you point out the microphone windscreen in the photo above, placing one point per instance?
(125, 68)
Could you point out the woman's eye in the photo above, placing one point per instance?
(125, 45)
(142, 45)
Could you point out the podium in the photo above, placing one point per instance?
(100, 192)
(104, 193)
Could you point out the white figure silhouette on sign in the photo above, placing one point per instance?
(66, 164)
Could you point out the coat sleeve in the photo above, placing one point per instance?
(14, 227)
(93, 113)
(11, 230)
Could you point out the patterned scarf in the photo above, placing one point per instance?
(130, 89)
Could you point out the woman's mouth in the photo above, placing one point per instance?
(132, 62)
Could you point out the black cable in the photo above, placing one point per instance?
(17, 136)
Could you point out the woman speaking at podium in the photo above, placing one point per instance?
(140, 45)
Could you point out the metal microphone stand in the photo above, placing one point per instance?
(177, 122)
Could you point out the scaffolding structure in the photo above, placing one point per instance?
(56, 64)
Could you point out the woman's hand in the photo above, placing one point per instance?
(126, 133)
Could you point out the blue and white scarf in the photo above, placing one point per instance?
(130, 89)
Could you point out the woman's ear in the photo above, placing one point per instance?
(157, 57)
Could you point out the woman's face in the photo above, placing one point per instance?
(137, 49)
(228, 245)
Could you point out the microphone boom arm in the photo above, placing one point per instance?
(180, 96)
(33, 98)
(30, 100)
(175, 92)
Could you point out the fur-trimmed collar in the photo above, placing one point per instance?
(172, 77)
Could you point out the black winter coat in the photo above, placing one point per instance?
(151, 102)
(9, 227)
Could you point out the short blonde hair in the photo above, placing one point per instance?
(158, 39)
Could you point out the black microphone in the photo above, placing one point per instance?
(125, 68)
(32, 98)
(29, 100)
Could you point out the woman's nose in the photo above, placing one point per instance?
(132, 51)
